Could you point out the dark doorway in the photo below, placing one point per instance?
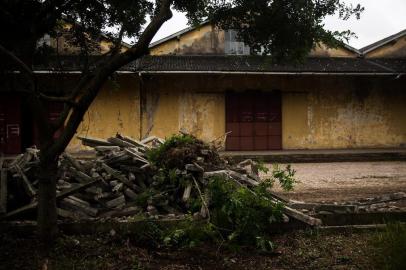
(254, 119)
(10, 124)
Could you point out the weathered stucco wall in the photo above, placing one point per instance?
(169, 106)
(394, 49)
(321, 50)
(203, 40)
(208, 39)
(116, 109)
(317, 113)
(339, 113)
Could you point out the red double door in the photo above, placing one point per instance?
(255, 121)
(10, 124)
(17, 130)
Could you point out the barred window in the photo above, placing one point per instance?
(233, 46)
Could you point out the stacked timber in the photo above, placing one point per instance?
(124, 180)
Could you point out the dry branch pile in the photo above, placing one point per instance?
(130, 177)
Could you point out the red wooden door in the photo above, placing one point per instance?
(10, 124)
(254, 119)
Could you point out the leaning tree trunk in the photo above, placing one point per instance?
(47, 215)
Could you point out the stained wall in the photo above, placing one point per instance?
(317, 112)
(115, 110)
(393, 49)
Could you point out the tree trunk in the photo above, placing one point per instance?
(47, 216)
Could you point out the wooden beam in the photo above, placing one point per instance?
(3, 187)
(59, 196)
(29, 189)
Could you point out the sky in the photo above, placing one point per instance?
(380, 19)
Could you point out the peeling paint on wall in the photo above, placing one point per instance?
(115, 109)
(317, 112)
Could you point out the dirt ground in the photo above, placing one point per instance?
(345, 181)
(298, 250)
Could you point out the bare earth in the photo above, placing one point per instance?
(343, 181)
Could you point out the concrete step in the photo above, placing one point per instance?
(303, 156)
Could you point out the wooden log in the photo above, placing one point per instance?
(79, 206)
(120, 158)
(94, 190)
(120, 142)
(301, 217)
(132, 141)
(194, 168)
(130, 194)
(63, 184)
(103, 195)
(117, 202)
(131, 168)
(59, 196)
(107, 148)
(325, 207)
(186, 193)
(117, 175)
(3, 187)
(152, 139)
(243, 178)
(220, 173)
(136, 155)
(74, 163)
(119, 187)
(29, 189)
(130, 211)
(79, 175)
(78, 200)
(93, 142)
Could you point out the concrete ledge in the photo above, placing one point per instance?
(303, 156)
(333, 222)
(362, 218)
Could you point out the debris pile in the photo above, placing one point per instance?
(127, 177)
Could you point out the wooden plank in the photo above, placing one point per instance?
(132, 141)
(73, 162)
(117, 202)
(29, 189)
(117, 175)
(59, 196)
(79, 175)
(136, 155)
(130, 211)
(92, 142)
(120, 142)
(77, 204)
(186, 193)
(301, 217)
(3, 187)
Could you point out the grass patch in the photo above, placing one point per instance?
(391, 247)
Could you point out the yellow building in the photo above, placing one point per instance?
(203, 81)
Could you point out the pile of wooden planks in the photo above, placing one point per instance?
(121, 181)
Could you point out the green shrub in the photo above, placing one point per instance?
(238, 215)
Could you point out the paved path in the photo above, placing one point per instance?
(340, 181)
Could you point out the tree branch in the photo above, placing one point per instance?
(22, 66)
(67, 100)
(90, 87)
